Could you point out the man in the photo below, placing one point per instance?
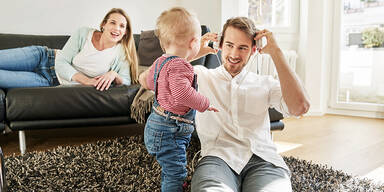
(237, 151)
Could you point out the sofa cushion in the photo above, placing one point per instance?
(149, 48)
(68, 102)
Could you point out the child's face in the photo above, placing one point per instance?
(195, 44)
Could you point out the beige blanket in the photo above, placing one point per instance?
(142, 104)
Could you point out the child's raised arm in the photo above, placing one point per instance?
(143, 78)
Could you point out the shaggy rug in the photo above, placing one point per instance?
(123, 164)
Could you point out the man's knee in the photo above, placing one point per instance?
(209, 184)
(274, 180)
(213, 174)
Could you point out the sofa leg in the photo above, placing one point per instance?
(22, 143)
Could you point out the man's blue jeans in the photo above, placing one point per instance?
(168, 139)
(31, 66)
(213, 174)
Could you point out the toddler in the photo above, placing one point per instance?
(170, 125)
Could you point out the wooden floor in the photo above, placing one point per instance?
(352, 144)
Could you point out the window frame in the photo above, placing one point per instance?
(339, 107)
(293, 12)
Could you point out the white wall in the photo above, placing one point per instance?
(315, 52)
(64, 17)
(208, 12)
(311, 41)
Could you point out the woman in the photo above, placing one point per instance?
(90, 57)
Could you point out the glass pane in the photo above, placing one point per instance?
(362, 52)
(269, 13)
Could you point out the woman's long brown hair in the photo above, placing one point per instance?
(128, 44)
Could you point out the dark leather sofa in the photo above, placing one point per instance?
(75, 106)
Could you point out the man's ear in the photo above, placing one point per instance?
(253, 50)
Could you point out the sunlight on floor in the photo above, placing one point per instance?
(285, 146)
(377, 175)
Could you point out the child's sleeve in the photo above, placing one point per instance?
(181, 88)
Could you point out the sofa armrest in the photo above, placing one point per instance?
(2, 111)
(275, 115)
(2, 105)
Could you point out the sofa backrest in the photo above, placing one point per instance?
(8, 41)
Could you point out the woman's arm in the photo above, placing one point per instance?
(64, 57)
(83, 79)
(122, 69)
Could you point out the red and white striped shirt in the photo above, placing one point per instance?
(174, 86)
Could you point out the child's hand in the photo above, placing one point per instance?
(204, 48)
(211, 108)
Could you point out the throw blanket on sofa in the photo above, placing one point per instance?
(142, 104)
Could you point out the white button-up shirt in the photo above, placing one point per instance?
(241, 128)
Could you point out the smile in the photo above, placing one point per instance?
(114, 34)
(233, 60)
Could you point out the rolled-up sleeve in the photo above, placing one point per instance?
(122, 67)
(276, 97)
(64, 57)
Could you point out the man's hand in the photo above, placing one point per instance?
(204, 48)
(271, 42)
(103, 82)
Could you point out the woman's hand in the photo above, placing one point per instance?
(271, 45)
(204, 48)
(103, 82)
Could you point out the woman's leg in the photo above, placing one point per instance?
(21, 59)
(19, 67)
(17, 79)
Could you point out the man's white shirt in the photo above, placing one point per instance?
(242, 125)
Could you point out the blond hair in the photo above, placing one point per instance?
(128, 43)
(175, 26)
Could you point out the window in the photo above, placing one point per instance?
(275, 14)
(359, 56)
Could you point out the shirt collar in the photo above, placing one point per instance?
(229, 77)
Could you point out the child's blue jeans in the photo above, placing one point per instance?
(167, 140)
